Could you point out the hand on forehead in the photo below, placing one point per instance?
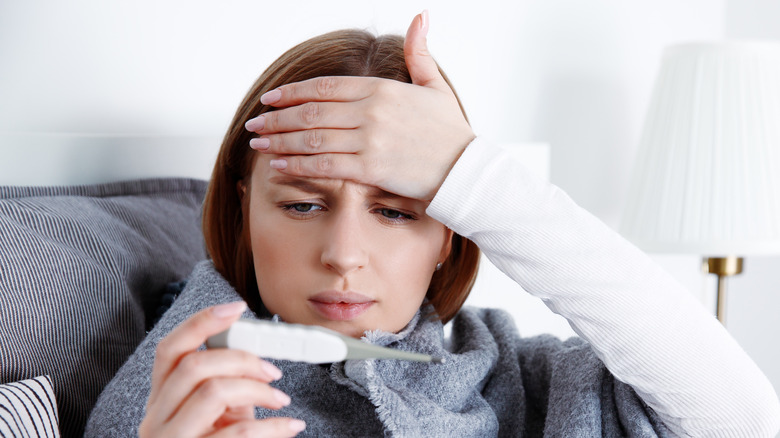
(402, 138)
(267, 178)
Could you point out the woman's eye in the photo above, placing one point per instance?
(394, 215)
(302, 208)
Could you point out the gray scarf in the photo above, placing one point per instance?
(494, 383)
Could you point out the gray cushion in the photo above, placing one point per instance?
(81, 270)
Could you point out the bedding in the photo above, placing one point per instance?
(82, 272)
(28, 408)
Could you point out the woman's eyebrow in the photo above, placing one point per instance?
(376, 192)
(310, 185)
(306, 185)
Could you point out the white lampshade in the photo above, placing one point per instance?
(707, 176)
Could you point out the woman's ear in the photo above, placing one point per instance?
(241, 189)
(446, 248)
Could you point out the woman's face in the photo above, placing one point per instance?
(338, 254)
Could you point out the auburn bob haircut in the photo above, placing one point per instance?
(226, 231)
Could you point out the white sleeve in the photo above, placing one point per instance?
(646, 328)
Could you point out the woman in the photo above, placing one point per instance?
(356, 209)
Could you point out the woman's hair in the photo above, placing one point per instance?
(226, 230)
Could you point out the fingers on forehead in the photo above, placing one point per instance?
(326, 88)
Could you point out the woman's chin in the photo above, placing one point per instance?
(347, 328)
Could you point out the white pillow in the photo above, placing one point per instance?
(28, 408)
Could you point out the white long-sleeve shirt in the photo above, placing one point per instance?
(646, 328)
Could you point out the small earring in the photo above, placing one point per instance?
(438, 266)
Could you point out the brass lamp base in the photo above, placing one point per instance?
(723, 267)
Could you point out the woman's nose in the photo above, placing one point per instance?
(344, 249)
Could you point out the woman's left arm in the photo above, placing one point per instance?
(646, 328)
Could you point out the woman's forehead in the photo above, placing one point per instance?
(331, 186)
(266, 178)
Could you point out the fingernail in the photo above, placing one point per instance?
(256, 124)
(271, 370)
(424, 19)
(229, 309)
(260, 143)
(270, 97)
(278, 164)
(281, 397)
(296, 425)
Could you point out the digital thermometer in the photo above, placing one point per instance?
(303, 343)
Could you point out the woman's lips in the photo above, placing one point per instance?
(340, 306)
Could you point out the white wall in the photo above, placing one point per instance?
(574, 74)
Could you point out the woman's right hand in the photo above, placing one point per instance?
(213, 392)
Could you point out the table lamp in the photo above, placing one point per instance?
(707, 174)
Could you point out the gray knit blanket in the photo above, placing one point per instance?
(494, 383)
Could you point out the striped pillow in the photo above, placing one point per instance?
(28, 408)
(82, 270)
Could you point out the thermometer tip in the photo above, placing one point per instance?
(438, 360)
